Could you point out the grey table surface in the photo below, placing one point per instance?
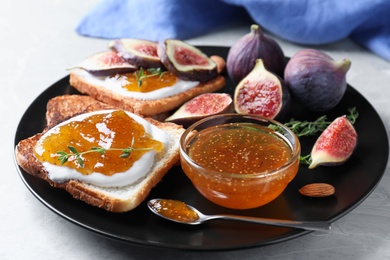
(38, 42)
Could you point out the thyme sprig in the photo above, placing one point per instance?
(306, 128)
(310, 128)
(140, 75)
(64, 156)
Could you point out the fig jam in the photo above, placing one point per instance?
(150, 82)
(108, 130)
(176, 210)
(239, 165)
(239, 150)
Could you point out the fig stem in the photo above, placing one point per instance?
(255, 29)
(343, 65)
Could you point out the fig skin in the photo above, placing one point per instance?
(316, 80)
(335, 145)
(105, 63)
(262, 93)
(200, 107)
(194, 64)
(255, 45)
(141, 53)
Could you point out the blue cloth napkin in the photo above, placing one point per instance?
(310, 22)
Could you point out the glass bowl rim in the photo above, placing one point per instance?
(296, 149)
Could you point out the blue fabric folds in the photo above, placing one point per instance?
(305, 21)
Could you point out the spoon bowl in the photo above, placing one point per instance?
(180, 212)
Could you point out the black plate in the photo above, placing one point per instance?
(353, 181)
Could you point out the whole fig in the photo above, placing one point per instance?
(316, 80)
(335, 145)
(261, 93)
(252, 46)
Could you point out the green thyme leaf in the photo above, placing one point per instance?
(73, 150)
(80, 161)
(125, 154)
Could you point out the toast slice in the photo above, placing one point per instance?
(99, 91)
(114, 199)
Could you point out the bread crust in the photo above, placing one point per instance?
(64, 107)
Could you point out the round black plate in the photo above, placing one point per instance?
(353, 181)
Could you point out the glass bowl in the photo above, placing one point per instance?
(239, 161)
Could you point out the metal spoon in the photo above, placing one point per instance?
(159, 207)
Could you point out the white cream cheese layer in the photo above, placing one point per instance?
(117, 82)
(139, 169)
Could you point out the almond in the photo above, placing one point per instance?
(317, 190)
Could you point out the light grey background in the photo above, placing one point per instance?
(38, 43)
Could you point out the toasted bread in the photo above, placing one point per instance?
(114, 199)
(145, 107)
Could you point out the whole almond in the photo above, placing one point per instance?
(317, 190)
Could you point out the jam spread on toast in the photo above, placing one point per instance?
(111, 132)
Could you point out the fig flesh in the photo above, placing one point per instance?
(106, 63)
(186, 61)
(200, 107)
(261, 93)
(316, 80)
(335, 145)
(141, 53)
(255, 45)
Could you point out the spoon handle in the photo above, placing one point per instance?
(306, 225)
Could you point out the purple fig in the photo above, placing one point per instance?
(141, 53)
(200, 107)
(261, 93)
(335, 145)
(252, 46)
(186, 61)
(316, 80)
(106, 63)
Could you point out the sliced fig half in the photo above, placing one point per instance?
(200, 107)
(335, 145)
(261, 93)
(141, 53)
(106, 63)
(186, 61)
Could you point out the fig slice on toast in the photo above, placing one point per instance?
(141, 53)
(106, 63)
(335, 145)
(186, 61)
